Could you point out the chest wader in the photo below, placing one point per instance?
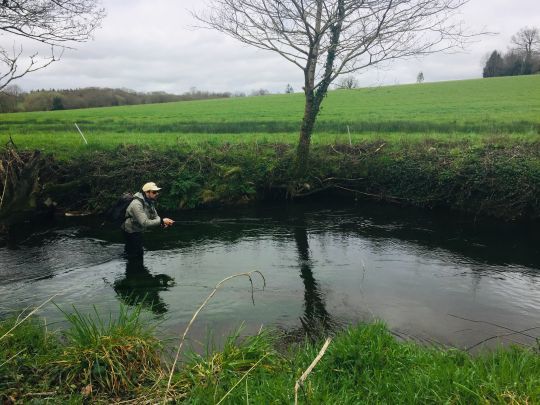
(134, 244)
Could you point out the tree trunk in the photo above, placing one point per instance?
(311, 108)
(314, 97)
(308, 122)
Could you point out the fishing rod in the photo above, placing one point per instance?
(215, 223)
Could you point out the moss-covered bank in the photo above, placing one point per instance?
(498, 178)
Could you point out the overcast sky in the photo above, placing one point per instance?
(151, 45)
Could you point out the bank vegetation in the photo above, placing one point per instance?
(470, 147)
(103, 359)
(496, 177)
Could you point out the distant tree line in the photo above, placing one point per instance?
(523, 58)
(13, 99)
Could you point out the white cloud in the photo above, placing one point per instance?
(149, 46)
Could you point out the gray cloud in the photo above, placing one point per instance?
(148, 46)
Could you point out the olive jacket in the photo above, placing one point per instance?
(140, 215)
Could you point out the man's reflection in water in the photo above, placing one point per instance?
(138, 286)
(316, 320)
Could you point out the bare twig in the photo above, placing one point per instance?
(240, 380)
(339, 153)
(39, 394)
(26, 317)
(12, 357)
(80, 132)
(342, 179)
(140, 400)
(303, 377)
(498, 326)
(5, 185)
(218, 285)
(503, 335)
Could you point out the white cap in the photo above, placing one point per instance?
(150, 187)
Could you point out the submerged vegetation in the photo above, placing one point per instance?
(109, 360)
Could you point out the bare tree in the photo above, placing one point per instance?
(527, 40)
(328, 38)
(54, 23)
(527, 45)
(348, 82)
(259, 92)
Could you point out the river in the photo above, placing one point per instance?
(434, 278)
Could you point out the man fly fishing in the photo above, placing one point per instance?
(141, 214)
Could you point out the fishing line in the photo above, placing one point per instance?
(257, 224)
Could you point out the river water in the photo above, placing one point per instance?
(433, 278)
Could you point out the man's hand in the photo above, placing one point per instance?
(167, 222)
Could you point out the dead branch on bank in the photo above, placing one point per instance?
(205, 302)
(303, 377)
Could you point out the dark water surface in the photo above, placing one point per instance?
(432, 278)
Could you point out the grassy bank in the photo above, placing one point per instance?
(99, 359)
(470, 146)
(497, 176)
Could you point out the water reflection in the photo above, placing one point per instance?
(316, 319)
(419, 268)
(139, 286)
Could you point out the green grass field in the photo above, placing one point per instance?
(471, 145)
(458, 109)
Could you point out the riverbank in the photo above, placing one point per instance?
(100, 359)
(496, 176)
(466, 146)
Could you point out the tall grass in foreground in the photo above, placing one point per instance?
(117, 355)
(25, 354)
(365, 364)
(119, 359)
(111, 357)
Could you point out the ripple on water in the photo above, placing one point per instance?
(321, 265)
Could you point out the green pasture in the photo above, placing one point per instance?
(66, 144)
(504, 106)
